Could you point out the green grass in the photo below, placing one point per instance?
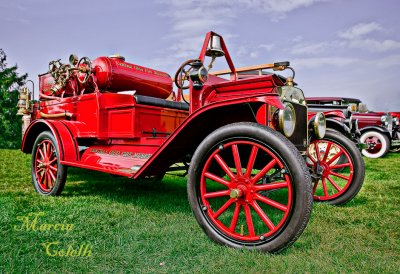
(139, 227)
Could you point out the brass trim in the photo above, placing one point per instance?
(316, 124)
(203, 80)
(281, 121)
(235, 193)
(56, 115)
(243, 69)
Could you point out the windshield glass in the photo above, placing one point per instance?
(292, 94)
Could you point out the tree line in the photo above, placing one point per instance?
(10, 123)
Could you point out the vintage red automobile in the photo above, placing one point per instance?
(241, 141)
(380, 131)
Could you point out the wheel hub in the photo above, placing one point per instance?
(235, 193)
(325, 169)
(322, 169)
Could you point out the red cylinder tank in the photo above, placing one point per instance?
(114, 74)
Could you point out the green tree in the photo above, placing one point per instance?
(10, 123)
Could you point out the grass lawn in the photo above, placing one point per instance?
(139, 227)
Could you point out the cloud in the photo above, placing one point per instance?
(360, 30)
(193, 18)
(342, 62)
(355, 37)
(276, 9)
(309, 49)
(297, 39)
(324, 61)
(268, 47)
(375, 45)
(387, 62)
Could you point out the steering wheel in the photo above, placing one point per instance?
(84, 66)
(182, 75)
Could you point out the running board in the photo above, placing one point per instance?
(115, 159)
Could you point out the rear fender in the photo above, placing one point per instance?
(67, 145)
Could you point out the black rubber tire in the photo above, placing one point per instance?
(295, 165)
(61, 171)
(384, 139)
(358, 163)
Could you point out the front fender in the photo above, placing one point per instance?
(185, 139)
(376, 128)
(335, 124)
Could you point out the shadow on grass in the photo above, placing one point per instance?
(170, 193)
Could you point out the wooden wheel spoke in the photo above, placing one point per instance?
(217, 179)
(235, 217)
(249, 220)
(41, 177)
(339, 175)
(315, 186)
(340, 166)
(224, 166)
(267, 221)
(328, 148)
(52, 161)
(53, 168)
(48, 150)
(252, 159)
(312, 160)
(317, 152)
(44, 149)
(40, 162)
(274, 185)
(267, 168)
(53, 177)
(46, 181)
(335, 185)
(216, 194)
(50, 180)
(41, 152)
(270, 202)
(324, 187)
(223, 208)
(236, 157)
(335, 157)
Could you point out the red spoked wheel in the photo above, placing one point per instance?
(246, 192)
(46, 165)
(336, 167)
(48, 174)
(247, 204)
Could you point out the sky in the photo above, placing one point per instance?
(347, 48)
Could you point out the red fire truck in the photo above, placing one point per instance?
(242, 142)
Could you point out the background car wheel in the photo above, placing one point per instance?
(335, 182)
(157, 179)
(263, 198)
(378, 144)
(48, 175)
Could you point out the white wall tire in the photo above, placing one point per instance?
(381, 142)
